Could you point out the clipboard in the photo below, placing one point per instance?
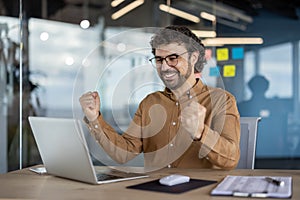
(255, 186)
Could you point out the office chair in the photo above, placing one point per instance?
(248, 142)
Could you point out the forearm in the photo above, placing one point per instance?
(115, 145)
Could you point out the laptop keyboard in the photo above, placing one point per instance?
(104, 177)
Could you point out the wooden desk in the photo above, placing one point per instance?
(24, 184)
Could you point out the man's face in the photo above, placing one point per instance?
(174, 76)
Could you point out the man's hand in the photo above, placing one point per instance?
(192, 119)
(90, 104)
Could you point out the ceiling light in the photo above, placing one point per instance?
(208, 16)
(85, 24)
(204, 34)
(232, 13)
(126, 9)
(229, 41)
(179, 13)
(69, 61)
(44, 36)
(115, 3)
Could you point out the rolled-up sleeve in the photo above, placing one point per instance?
(220, 140)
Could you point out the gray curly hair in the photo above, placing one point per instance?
(180, 34)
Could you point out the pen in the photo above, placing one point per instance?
(274, 181)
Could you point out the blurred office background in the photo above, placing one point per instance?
(252, 51)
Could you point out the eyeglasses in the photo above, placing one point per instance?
(171, 60)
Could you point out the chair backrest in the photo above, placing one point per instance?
(248, 142)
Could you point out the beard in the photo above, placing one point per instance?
(173, 79)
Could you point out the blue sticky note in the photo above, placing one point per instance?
(237, 53)
(214, 71)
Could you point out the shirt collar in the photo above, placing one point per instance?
(194, 91)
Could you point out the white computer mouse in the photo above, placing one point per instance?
(174, 179)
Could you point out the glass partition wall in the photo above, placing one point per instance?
(9, 92)
(61, 60)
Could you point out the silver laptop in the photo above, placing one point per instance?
(64, 152)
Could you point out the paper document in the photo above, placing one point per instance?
(255, 186)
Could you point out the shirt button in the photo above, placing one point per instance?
(173, 123)
(207, 158)
(169, 166)
(190, 96)
(176, 103)
(171, 145)
(96, 126)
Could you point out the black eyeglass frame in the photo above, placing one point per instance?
(176, 56)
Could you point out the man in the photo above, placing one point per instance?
(188, 125)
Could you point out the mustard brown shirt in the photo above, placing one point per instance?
(157, 132)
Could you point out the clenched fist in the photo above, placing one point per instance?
(192, 119)
(90, 104)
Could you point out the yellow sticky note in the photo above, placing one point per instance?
(222, 54)
(228, 70)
